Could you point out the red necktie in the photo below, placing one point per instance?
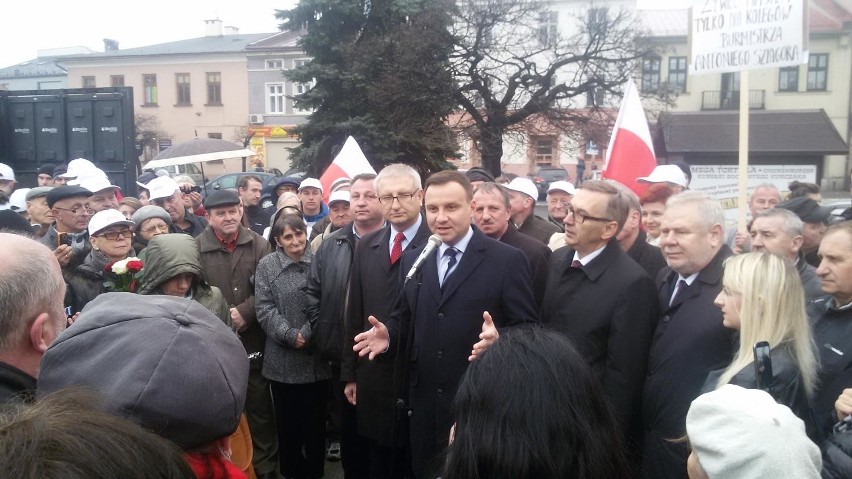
(396, 251)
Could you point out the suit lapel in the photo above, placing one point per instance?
(469, 261)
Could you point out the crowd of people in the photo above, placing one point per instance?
(421, 329)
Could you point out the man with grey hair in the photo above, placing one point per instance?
(31, 296)
(634, 240)
(764, 197)
(690, 340)
(603, 300)
(779, 231)
(373, 290)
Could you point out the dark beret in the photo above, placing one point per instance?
(12, 222)
(66, 191)
(221, 198)
(808, 210)
(287, 180)
(46, 169)
(479, 174)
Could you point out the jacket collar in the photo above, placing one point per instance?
(207, 240)
(597, 266)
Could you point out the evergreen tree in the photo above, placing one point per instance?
(380, 73)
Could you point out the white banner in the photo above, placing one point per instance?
(720, 181)
(736, 35)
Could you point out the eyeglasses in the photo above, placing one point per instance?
(400, 197)
(580, 217)
(115, 235)
(77, 210)
(155, 228)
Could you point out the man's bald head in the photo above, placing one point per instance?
(32, 292)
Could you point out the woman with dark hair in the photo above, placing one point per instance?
(653, 202)
(298, 376)
(801, 188)
(531, 407)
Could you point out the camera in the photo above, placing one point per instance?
(63, 239)
(186, 189)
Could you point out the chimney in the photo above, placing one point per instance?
(110, 45)
(232, 30)
(213, 28)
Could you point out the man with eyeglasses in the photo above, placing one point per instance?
(603, 300)
(165, 193)
(67, 236)
(522, 195)
(373, 290)
(326, 288)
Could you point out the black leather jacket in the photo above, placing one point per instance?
(327, 287)
(787, 386)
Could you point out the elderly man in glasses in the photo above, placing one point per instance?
(603, 300)
(67, 236)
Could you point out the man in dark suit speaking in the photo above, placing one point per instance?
(470, 286)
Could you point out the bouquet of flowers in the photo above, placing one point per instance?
(123, 271)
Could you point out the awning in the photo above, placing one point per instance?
(777, 131)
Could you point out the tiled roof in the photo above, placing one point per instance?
(212, 44)
(40, 67)
(824, 16)
(770, 131)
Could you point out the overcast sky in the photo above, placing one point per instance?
(29, 25)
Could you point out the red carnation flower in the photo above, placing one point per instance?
(134, 266)
(108, 268)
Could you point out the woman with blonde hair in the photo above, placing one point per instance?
(762, 298)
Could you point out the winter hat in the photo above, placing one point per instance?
(12, 222)
(525, 186)
(666, 174)
(147, 212)
(737, 432)
(164, 362)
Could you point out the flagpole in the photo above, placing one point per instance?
(743, 150)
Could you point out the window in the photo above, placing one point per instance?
(595, 95)
(274, 64)
(651, 74)
(677, 74)
(275, 98)
(548, 28)
(817, 71)
(150, 84)
(788, 79)
(597, 23)
(88, 82)
(544, 146)
(116, 80)
(301, 88)
(215, 136)
(182, 80)
(214, 88)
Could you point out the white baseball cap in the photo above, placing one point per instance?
(310, 183)
(79, 167)
(562, 185)
(524, 185)
(18, 200)
(106, 218)
(161, 187)
(6, 172)
(666, 174)
(339, 195)
(95, 183)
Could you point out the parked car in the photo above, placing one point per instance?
(188, 169)
(231, 180)
(544, 175)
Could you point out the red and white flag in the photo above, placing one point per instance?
(348, 163)
(631, 152)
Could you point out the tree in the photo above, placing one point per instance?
(513, 65)
(148, 131)
(379, 72)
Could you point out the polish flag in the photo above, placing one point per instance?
(348, 163)
(631, 152)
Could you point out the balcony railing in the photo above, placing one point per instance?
(730, 100)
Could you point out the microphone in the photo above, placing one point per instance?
(433, 242)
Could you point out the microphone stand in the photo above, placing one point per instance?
(400, 378)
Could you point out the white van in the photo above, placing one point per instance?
(188, 169)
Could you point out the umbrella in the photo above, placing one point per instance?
(198, 150)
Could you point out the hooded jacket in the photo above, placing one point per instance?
(167, 256)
